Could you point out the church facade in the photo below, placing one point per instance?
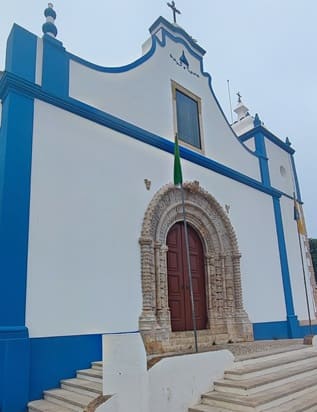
(91, 233)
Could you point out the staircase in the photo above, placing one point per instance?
(283, 382)
(74, 394)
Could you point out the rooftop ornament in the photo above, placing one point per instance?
(173, 7)
(49, 26)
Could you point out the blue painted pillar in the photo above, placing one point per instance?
(55, 75)
(260, 151)
(288, 296)
(15, 178)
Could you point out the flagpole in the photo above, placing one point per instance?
(189, 270)
(305, 283)
(178, 182)
(298, 220)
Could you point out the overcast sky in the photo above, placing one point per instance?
(266, 48)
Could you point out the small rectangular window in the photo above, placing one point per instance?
(187, 117)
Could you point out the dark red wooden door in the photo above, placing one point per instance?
(178, 280)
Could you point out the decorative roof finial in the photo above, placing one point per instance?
(241, 109)
(257, 121)
(173, 7)
(288, 142)
(49, 27)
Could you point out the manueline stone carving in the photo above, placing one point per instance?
(227, 319)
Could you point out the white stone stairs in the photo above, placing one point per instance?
(74, 394)
(279, 382)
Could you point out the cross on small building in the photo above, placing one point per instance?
(173, 7)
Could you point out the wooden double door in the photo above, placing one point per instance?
(178, 280)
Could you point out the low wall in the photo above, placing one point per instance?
(171, 385)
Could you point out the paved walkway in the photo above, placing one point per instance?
(254, 349)
(243, 350)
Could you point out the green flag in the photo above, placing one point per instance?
(178, 178)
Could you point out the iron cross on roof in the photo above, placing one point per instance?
(173, 7)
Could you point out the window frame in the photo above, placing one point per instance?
(186, 92)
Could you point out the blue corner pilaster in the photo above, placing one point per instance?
(288, 297)
(55, 76)
(15, 177)
(21, 53)
(15, 174)
(14, 369)
(260, 151)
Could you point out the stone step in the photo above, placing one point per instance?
(97, 365)
(94, 375)
(253, 385)
(261, 400)
(270, 365)
(67, 399)
(307, 403)
(269, 354)
(207, 408)
(46, 406)
(82, 386)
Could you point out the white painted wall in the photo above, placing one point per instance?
(178, 382)
(250, 144)
(125, 372)
(88, 201)
(294, 261)
(143, 97)
(281, 173)
(171, 385)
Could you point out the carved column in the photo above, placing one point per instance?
(210, 281)
(217, 317)
(243, 326)
(237, 282)
(163, 312)
(148, 318)
(230, 306)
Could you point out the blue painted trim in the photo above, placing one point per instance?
(97, 116)
(270, 136)
(288, 297)
(14, 374)
(15, 172)
(15, 180)
(21, 53)
(49, 27)
(123, 333)
(55, 71)
(247, 136)
(178, 31)
(293, 326)
(298, 193)
(41, 364)
(13, 332)
(270, 330)
(50, 12)
(56, 358)
(263, 159)
(280, 330)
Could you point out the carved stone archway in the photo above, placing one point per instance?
(227, 320)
